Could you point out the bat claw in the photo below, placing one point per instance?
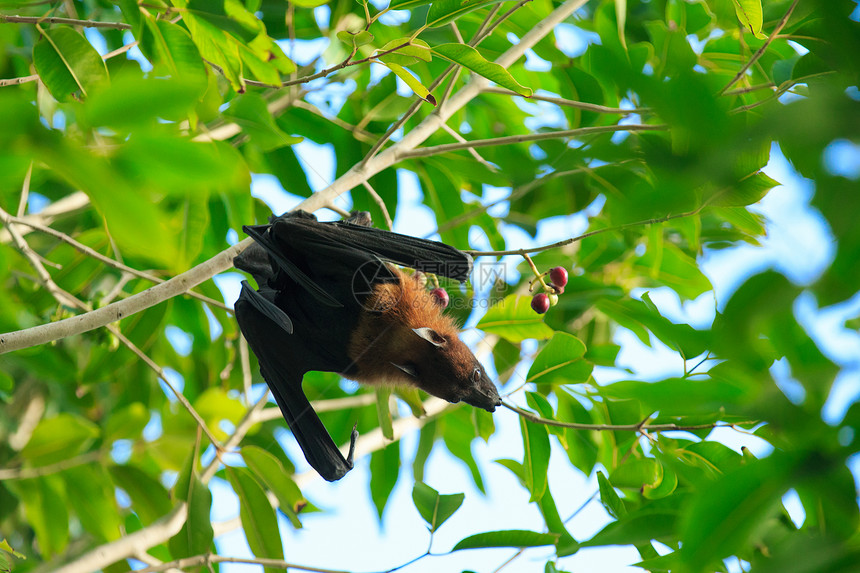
(352, 438)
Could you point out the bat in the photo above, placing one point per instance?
(330, 299)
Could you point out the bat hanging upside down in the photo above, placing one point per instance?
(329, 299)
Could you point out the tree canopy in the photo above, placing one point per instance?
(129, 135)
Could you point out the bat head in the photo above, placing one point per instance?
(447, 369)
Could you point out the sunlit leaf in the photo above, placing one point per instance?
(433, 507)
(257, 515)
(507, 538)
(67, 64)
(470, 58)
(514, 320)
(444, 11)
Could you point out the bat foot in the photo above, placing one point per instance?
(352, 438)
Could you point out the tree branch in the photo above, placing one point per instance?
(210, 558)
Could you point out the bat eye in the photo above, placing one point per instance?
(476, 375)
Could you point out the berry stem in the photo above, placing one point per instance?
(537, 273)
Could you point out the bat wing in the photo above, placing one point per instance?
(284, 377)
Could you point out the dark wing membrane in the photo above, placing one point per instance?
(420, 254)
(261, 234)
(266, 306)
(284, 378)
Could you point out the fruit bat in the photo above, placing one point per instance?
(330, 299)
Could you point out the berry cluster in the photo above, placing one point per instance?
(543, 300)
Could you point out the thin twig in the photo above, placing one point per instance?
(566, 242)
(109, 261)
(445, 148)
(27, 473)
(161, 374)
(642, 426)
(516, 194)
(761, 50)
(570, 103)
(70, 21)
(25, 191)
(456, 135)
(378, 200)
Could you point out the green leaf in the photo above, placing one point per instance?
(726, 517)
(149, 499)
(507, 538)
(535, 457)
(609, 497)
(4, 546)
(172, 51)
(384, 472)
(215, 405)
(412, 397)
(126, 423)
(58, 438)
(258, 516)
(566, 544)
(426, 441)
(134, 101)
(196, 534)
(637, 474)
(67, 64)
(407, 4)
(639, 527)
(383, 412)
(444, 11)
(310, 3)
(93, 500)
(514, 320)
(413, 52)
(229, 16)
(560, 361)
(750, 15)
(269, 469)
(356, 39)
(674, 268)
(747, 191)
(249, 111)
(45, 504)
(470, 58)
(414, 84)
(433, 507)
(683, 396)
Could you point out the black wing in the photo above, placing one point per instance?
(284, 378)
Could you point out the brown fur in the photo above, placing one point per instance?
(385, 337)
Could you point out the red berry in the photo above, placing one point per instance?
(556, 289)
(540, 303)
(558, 276)
(440, 296)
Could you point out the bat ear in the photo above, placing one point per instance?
(409, 369)
(431, 336)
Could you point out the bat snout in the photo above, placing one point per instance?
(485, 398)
